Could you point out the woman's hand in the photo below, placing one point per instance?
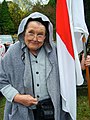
(26, 100)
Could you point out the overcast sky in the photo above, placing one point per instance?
(44, 1)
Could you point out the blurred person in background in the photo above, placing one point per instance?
(85, 62)
(2, 49)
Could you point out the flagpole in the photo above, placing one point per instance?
(86, 67)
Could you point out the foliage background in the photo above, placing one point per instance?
(11, 13)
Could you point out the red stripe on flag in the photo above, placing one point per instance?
(63, 25)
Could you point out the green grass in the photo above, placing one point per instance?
(83, 109)
(2, 103)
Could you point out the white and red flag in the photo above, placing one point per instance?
(69, 65)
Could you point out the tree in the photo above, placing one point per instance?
(0, 19)
(16, 14)
(52, 3)
(25, 5)
(7, 26)
(87, 13)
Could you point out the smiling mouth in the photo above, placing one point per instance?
(35, 42)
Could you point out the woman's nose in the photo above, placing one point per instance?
(35, 38)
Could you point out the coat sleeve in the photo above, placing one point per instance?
(9, 92)
(5, 87)
(3, 77)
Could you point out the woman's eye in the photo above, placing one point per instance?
(40, 34)
(31, 33)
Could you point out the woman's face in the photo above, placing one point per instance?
(34, 35)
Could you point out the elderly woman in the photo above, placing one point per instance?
(29, 73)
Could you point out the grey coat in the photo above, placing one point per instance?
(12, 71)
(12, 68)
